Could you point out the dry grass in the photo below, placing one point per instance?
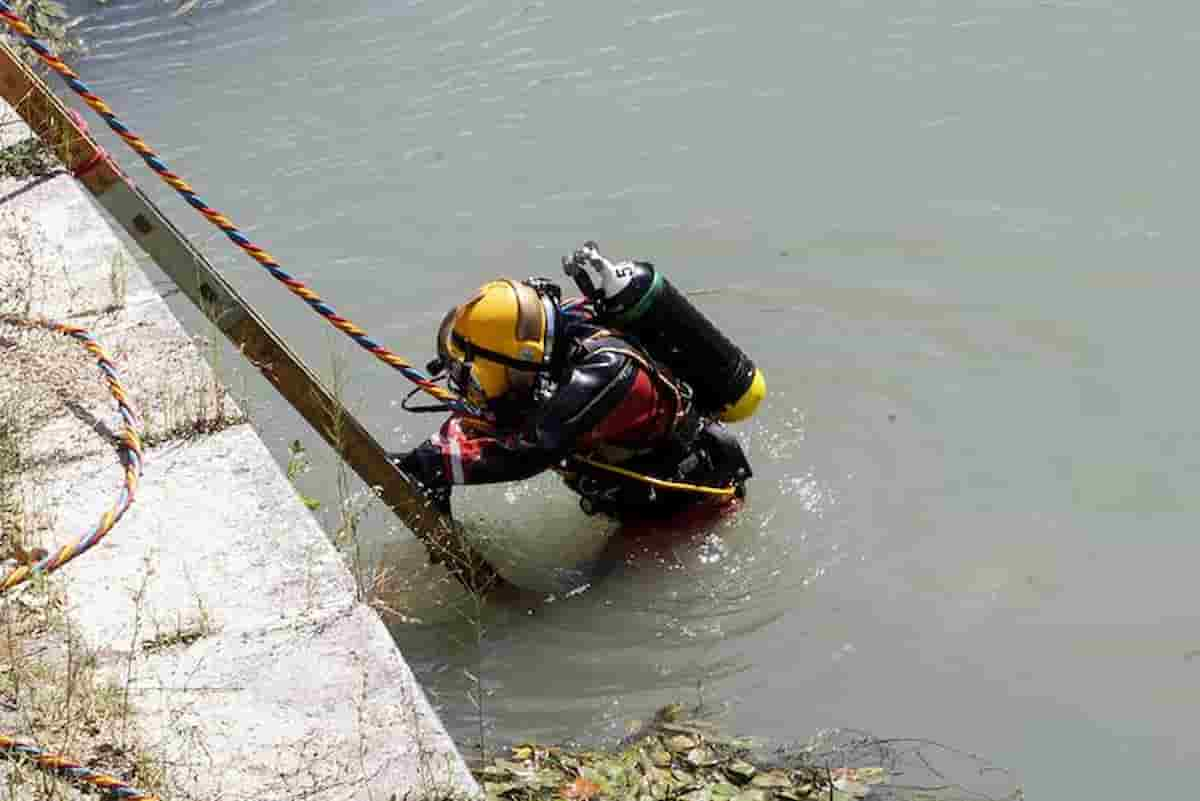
(179, 395)
(54, 693)
(23, 275)
(118, 280)
(195, 404)
(24, 518)
(12, 508)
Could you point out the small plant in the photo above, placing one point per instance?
(118, 279)
(299, 464)
(353, 505)
(189, 406)
(57, 695)
(185, 632)
(11, 511)
(18, 284)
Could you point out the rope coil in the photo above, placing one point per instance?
(129, 447)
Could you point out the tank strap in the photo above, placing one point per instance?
(682, 404)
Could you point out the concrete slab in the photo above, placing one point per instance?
(218, 600)
(280, 659)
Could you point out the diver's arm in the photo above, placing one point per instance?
(463, 453)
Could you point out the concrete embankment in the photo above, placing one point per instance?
(217, 605)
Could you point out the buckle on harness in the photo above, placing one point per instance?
(596, 497)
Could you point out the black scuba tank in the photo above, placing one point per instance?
(637, 299)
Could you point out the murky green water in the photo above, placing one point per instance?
(957, 237)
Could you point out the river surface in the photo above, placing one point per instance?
(957, 236)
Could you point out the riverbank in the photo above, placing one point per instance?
(214, 645)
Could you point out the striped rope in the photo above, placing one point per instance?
(185, 190)
(72, 771)
(129, 446)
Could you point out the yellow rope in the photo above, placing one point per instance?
(724, 492)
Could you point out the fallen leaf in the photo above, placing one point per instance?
(722, 791)
(546, 778)
(701, 757)
(498, 789)
(752, 794)
(581, 789)
(741, 769)
(681, 742)
(515, 768)
(772, 779)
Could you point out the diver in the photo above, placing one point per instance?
(623, 391)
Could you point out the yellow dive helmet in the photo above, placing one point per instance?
(496, 343)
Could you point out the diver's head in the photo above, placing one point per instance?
(496, 344)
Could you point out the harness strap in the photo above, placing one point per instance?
(681, 403)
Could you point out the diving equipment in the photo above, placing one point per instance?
(634, 298)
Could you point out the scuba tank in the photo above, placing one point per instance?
(635, 298)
